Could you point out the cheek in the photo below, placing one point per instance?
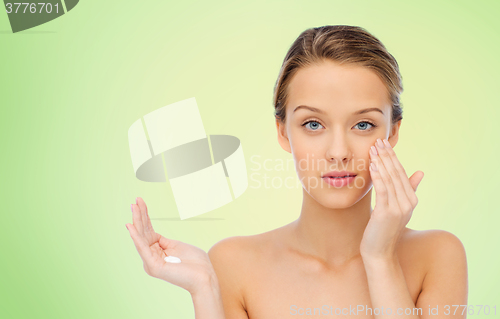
(305, 144)
(362, 160)
(306, 158)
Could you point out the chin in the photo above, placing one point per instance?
(338, 200)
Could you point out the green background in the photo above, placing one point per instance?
(71, 88)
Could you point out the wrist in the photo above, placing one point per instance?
(380, 261)
(209, 286)
(207, 300)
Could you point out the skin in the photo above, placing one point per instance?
(340, 252)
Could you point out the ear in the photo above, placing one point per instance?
(394, 134)
(282, 136)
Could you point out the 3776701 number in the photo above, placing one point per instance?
(31, 7)
(470, 310)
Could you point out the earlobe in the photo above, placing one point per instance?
(282, 136)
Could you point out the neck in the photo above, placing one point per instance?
(332, 235)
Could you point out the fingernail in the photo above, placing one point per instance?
(373, 150)
(379, 143)
(386, 142)
(126, 226)
(374, 168)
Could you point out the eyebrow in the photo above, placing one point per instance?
(313, 109)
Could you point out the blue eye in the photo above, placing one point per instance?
(363, 126)
(314, 125)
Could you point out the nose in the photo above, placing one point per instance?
(339, 149)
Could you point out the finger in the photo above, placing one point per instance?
(405, 182)
(415, 180)
(157, 250)
(137, 219)
(402, 198)
(164, 242)
(386, 177)
(139, 242)
(167, 243)
(379, 186)
(143, 215)
(148, 227)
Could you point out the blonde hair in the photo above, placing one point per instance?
(341, 44)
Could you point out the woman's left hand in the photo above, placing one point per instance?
(394, 205)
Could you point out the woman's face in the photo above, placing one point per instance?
(334, 114)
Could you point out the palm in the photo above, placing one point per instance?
(385, 226)
(195, 264)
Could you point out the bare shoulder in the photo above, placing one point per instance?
(231, 251)
(229, 257)
(245, 248)
(234, 260)
(237, 256)
(436, 249)
(443, 259)
(434, 241)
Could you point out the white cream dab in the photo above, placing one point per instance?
(172, 259)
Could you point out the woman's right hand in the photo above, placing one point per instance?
(195, 271)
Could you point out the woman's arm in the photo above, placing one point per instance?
(208, 301)
(445, 286)
(228, 259)
(445, 282)
(194, 273)
(388, 290)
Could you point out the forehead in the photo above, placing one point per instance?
(328, 85)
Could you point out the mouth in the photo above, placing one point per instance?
(339, 178)
(339, 174)
(339, 181)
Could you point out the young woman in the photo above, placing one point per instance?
(338, 113)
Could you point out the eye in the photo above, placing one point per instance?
(363, 125)
(314, 125)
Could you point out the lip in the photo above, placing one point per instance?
(339, 182)
(338, 173)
